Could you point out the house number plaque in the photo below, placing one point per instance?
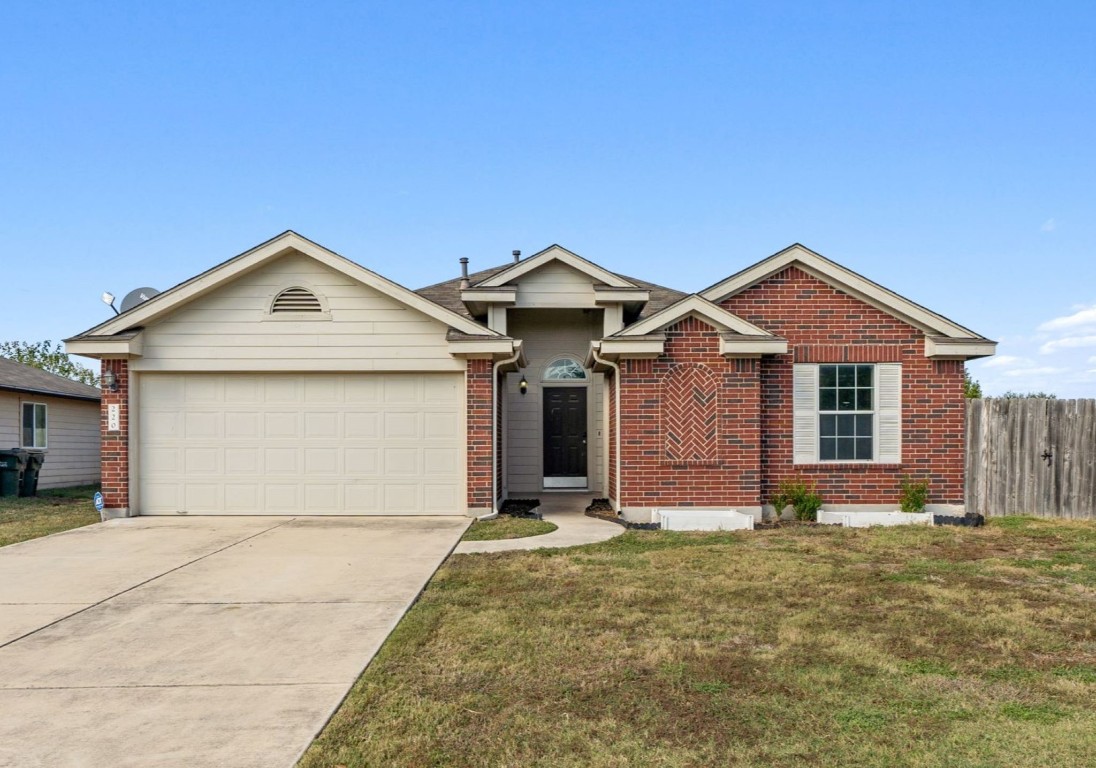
(114, 417)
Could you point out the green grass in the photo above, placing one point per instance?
(507, 527)
(48, 512)
(792, 647)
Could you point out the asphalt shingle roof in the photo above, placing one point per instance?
(26, 378)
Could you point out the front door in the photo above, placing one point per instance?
(564, 437)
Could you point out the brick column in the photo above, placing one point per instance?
(480, 439)
(115, 442)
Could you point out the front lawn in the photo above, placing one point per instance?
(48, 512)
(507, 527)
(797, 647)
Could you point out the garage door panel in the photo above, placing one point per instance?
(362, 444)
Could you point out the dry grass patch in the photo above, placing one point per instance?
(794, 647)
(507, 527)
(48, 512)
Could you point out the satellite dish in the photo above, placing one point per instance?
(137, 296)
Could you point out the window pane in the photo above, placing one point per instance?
(863, 425)
(863, 375)
(827, 400)
(846, 376)
(846, 448)
(845, 425)
(846, 399)
(863, 448)
(564, 369)
(827, 449)
(863, 399)
(827, 426)
(28, 424)
(39, 426)
(827, 375)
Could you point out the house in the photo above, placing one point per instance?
(290, 379)
(58, 417)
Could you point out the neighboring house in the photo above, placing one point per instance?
(291, 380)
(40, 411)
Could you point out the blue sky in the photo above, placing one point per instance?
(945, 150)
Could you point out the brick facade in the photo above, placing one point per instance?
(115, 444)
(825, 325)
(730, 474)
(478, 384)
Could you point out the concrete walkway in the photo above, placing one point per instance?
(198, 641)
(574, 528)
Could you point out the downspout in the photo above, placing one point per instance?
(495, 447)
(616, 430)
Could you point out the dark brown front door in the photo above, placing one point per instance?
(565, 437)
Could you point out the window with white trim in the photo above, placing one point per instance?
(34, 425)
(564, 369)
(847, 412)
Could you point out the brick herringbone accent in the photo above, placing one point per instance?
(690, 415)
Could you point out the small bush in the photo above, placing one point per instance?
(915, 494)
(800, 496)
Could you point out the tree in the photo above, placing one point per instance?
(1010, 395)
(49, 357)
(971, 388)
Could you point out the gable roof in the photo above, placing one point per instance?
(548, 255)
(200, 285)
(693, 305)
(845, 280)
(448, 292)
(16, 377)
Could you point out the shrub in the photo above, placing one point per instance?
(795, 492)
(915, 494)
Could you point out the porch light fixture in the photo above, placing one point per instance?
(523, 385)
(109, 381)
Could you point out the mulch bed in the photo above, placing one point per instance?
(603, 510)
(526, 508)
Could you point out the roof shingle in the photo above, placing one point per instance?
(25, 378)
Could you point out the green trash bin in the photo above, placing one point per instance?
(29, 486)
(12, 464)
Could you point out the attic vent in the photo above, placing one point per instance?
(296, 300)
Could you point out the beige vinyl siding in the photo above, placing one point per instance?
(72, 437)
(231, 330)
(554, 285)
(548, 334)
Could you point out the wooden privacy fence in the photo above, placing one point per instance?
(1031, 457)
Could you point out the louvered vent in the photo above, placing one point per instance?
(296, 300)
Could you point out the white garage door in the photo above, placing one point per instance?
(321, 444)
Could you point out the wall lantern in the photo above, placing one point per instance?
(523, 385)
(109, 382)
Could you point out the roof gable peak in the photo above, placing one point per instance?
(556, 253)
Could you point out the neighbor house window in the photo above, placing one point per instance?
(847, 412)
(34, 425)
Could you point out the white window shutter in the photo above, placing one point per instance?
(888, 411)
(805, 414)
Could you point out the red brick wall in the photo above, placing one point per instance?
(733, 476)
(823, 324)
(478, 384)
(115, 445)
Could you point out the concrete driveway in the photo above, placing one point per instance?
(198, 641)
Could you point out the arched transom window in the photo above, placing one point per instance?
(564, 369)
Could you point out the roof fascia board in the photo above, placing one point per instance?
(122, 347)
(561, 254)
(737, 345)
(635, 347)
(944, 348)
(489, 295)
(844, 279)
(620, 296)
(694, 304)
(268, 251)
